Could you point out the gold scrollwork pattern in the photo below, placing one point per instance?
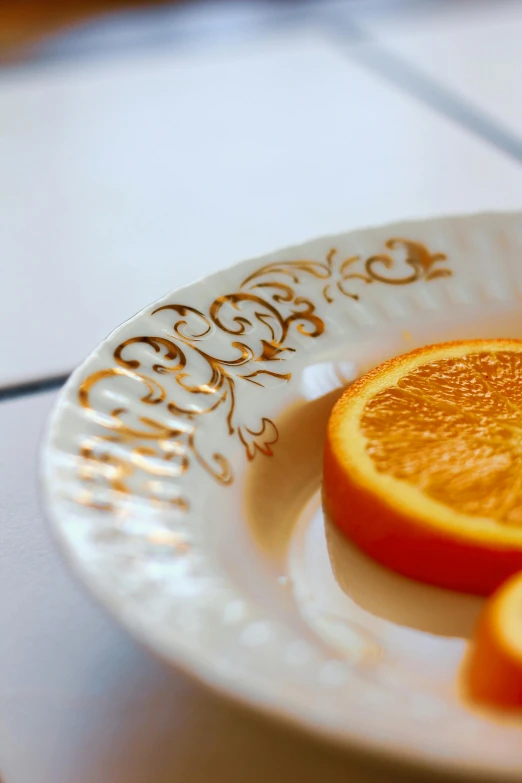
(200, 365)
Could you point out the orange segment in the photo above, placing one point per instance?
(493, 668)
(423, 464)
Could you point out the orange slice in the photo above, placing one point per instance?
(423, 464)
(493, 667)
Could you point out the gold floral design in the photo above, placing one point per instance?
(200, 364)
(424, 266)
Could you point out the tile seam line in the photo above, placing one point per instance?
(375, 57)
(15, 391)
(152, 41)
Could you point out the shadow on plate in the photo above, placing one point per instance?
(278, 490)
(394, 597)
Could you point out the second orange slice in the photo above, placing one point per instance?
(493, 666)
(423, 464)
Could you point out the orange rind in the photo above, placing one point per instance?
(423, 464)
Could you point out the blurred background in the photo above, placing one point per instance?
(143, 145)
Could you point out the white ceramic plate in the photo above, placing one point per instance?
(181, 471)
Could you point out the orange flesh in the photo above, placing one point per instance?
(453, 427)
(423, 464)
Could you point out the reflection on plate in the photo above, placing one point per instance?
(181, 472)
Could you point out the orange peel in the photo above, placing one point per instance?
(423, 464)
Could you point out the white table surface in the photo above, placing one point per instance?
(474, 55)
(125, 176)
